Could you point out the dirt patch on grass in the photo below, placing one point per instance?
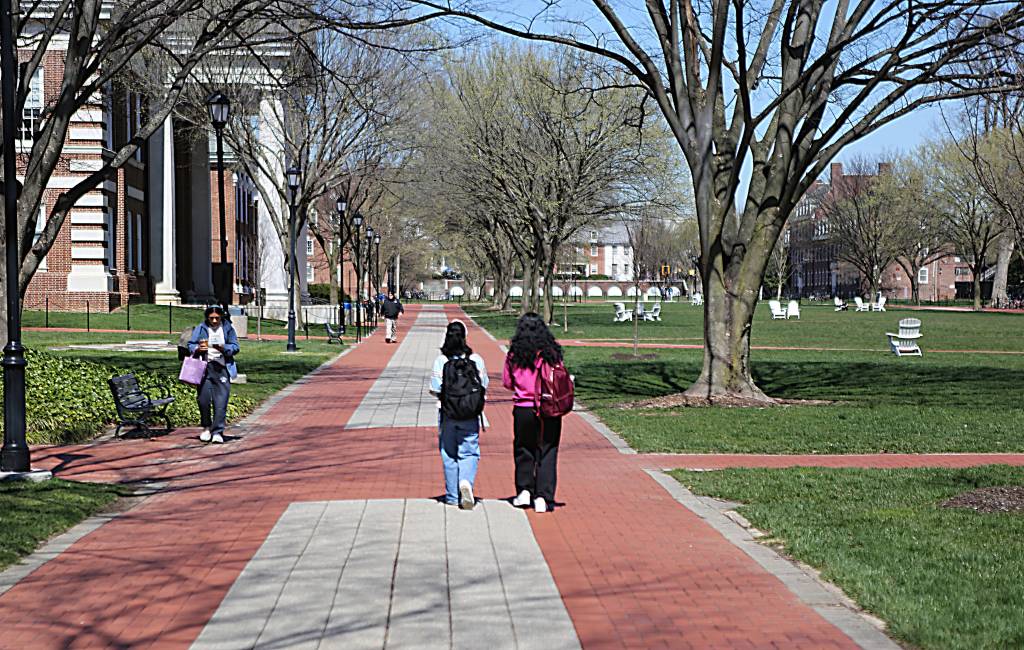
(681, 399)
(621, 356)
(1009, 498)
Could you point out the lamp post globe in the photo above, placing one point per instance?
(294, 175)
(220, 109)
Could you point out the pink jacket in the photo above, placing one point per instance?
(522, 382)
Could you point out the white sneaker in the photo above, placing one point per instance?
(466, 500)
(523, 500)
(217, 439)
(205, 436)
(540, 505)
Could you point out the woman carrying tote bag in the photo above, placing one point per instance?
(215, 341)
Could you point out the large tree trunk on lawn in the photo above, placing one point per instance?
(549, 301)
(976, 283)
(524, 303)
(1004, 254)
(730, 296)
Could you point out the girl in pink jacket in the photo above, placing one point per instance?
(535, 443)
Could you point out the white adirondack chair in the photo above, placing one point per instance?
(777, 311)
(905, 342)
(697, 299)
(880, 305)
(840, 305)
(861, 305)
(793, 310)
(622, 314)
(654, 314)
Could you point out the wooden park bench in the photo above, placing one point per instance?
(333, 335)
(136, 407)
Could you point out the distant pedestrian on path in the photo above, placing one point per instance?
(391, 308)
(536, 437)
(459, 380)
(216, 341)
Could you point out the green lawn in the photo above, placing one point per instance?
(32, 512)
(940, 577)
(819, 326)
(959, 402)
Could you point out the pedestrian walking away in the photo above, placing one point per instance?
(536, 417)
(459, 381)
(216, 341)
(391, 308)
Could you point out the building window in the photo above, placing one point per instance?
(593, 250)
(112, 240)
(309, 246)
(593, 269)
(310, 274)
(922, 275)
(621, 249)
(593, 235)
(138, 243)
(129, 224)
(30, 125)
(615, 269)
(961, 271)
(40, 225)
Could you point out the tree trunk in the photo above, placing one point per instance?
(1004, 253)
(636, 319)
(729, 304)
(549, 301)
(524, 303)
(915, 289)
(778, 292)
(976, 282)
(333, 276)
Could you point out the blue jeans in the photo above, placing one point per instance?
(459, 442)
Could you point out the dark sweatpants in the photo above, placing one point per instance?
(536, 454)
(214, 391)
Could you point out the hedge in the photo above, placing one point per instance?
(68, 400)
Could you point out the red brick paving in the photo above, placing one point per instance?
(634, 567)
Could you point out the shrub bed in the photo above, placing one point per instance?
(68, 400)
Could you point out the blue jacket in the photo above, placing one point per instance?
(230, 343)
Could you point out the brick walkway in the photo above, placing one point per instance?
(634, 568)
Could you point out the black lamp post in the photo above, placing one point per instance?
(15, 454)
(294, 176)
(342, 207)
(376, 301)
(369, 274)
(220, 110)
(357, 223)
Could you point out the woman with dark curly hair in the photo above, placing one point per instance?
(536, 438)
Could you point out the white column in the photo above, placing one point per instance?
(275, 276)
(201, 213)
(161, 214)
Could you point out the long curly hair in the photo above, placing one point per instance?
(533, 336)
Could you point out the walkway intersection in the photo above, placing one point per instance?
(319, 527)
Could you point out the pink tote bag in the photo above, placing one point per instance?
(192, 371)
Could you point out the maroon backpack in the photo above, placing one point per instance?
(554, 394)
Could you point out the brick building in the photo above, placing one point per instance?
(817, 270)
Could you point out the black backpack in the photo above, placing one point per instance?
(462, 394)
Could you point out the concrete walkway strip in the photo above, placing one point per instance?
(399, 397)
(825, 599)
(394, 573)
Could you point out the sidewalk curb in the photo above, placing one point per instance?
(824, 598)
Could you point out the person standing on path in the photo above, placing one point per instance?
(459, 379)
(391, 308)
(216, 341)
(536, 438)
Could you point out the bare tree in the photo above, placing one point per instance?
(859, 221)
(921, 238)
(779, 269)
(971, 221)
(781, 86)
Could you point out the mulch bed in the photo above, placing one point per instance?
(681, 399)
(1004, 499)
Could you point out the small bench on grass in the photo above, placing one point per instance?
(333, 335)
(135, 406)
